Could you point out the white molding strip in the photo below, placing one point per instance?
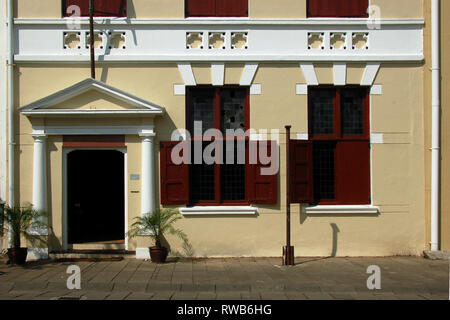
(301, 89)
(92, 130)
(376, 90)
(370, 73)
(369, 210)
(37, 254)
(179, 89)
(256, 89)
(377, 138)
(340, 73)
(202, 211)
(142, 253)
(223, 21)
(218, 73)
(187, 74)
(310, 73)
(303, 136)
(248, 74)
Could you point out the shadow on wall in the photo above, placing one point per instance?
(335, 239)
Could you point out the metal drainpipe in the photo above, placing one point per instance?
(11, 142)
(436, 128)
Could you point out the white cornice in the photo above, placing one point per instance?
(223, 21)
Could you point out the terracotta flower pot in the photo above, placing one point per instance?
(158, 254)
(17, 256)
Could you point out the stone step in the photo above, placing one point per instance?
(92, 255)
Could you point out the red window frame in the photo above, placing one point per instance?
(337, 8)
(102, 8)
(352, 153)
(216, 8)
(217, 125)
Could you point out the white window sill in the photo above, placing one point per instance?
(217, 211)
(368, 209)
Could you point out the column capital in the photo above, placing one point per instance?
(39, 137)
(147, 135)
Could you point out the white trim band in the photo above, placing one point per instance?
(342, 210)
(205, 211)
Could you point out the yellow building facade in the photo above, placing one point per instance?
(150, 66)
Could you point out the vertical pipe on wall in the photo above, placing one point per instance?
(11, 143)
(436, 113)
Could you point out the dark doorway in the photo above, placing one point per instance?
(96, 196)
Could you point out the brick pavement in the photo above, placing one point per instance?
(402, 278)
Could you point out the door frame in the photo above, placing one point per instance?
(65, 153)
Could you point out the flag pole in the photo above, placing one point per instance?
(92, 37)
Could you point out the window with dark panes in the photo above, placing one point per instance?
(234, 179)
(216, 8)
(337, 8)
(339, 130)
(223, 109)
(102, 8)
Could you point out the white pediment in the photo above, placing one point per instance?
(91, 97)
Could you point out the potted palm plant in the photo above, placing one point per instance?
(20, 221)
(156, 225)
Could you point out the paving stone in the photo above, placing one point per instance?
(184, 296)
(133, 287)
(228, 296)
(155, 286)
(140, 296)
(206, 296)
(250, 296)
(225, 287)
(198, 287)
(97, 286)
(118, 295)
(318, 296)
(163, 296)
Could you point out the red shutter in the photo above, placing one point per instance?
(338, 8)
(231, 8)
(174, 178)
(353, 172)
(102, 8)
(301, 172)
(261, 189)
(200, 8)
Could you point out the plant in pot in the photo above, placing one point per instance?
(156, 225)
(20, 222)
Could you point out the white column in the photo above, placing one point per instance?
(40, 176)
(148, 174)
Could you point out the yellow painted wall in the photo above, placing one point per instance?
(173, 9)
(400, 8)
(397, 164)
(258, 9)
(285, 9)
(37, 9)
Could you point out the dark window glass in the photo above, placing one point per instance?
(322, 109)
(219, 183)
(233, 177)
(232, 110)
(203, 109)
(352, 112)
(324, 183)
(202, 179)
